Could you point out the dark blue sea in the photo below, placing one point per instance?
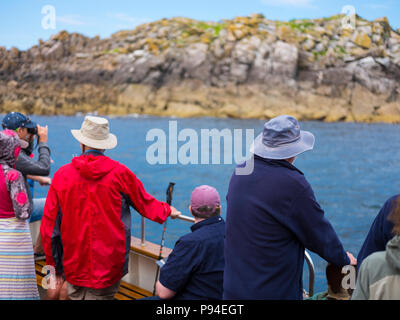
(352, 169)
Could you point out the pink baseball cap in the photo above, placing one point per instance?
(205, 196)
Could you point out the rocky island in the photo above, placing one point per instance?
(247, 67)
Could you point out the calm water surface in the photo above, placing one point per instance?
(352, 169)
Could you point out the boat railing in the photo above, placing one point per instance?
(143, 234)
(307, 257)
(311, 273)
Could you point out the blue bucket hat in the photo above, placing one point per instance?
(282, 139)
(15, 120)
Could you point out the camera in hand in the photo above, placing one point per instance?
(33, 131)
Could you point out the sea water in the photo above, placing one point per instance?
(352, 169)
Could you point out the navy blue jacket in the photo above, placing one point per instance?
(380, 232)
(272, 216)
(194, 269)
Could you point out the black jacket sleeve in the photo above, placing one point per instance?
(41, 167)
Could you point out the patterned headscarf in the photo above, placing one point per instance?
(10, 147)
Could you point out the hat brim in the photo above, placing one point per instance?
(305, 143)
(30, 125)
(109, 143)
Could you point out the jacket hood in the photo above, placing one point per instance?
(93, 167)
(393, 252)
(9, 147)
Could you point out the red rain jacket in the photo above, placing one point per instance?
(86, 225)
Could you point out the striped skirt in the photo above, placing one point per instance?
(17, 266)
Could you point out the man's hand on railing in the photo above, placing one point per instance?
(353, 261)
(174, 213)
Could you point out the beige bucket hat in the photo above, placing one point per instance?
(95, 133)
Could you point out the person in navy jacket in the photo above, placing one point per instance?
(272, 216)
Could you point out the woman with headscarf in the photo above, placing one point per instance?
(17, 268)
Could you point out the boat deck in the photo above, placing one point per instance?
(127, 291)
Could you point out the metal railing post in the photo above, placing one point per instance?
(143, 236)
(311, 273)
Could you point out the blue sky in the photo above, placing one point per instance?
(21, 20)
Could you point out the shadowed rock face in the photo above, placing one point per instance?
(248, 67)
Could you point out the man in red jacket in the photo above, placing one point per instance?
(86, 226)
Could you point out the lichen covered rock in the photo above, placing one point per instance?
(246, 67)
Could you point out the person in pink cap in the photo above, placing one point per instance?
(194, 269)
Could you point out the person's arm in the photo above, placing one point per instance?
(379, 234)
(50, 230)
(163, 292)
(307, 221)
(18, 194)
(143, 202)
(29, 166)
(178, 269)
(42, 180)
